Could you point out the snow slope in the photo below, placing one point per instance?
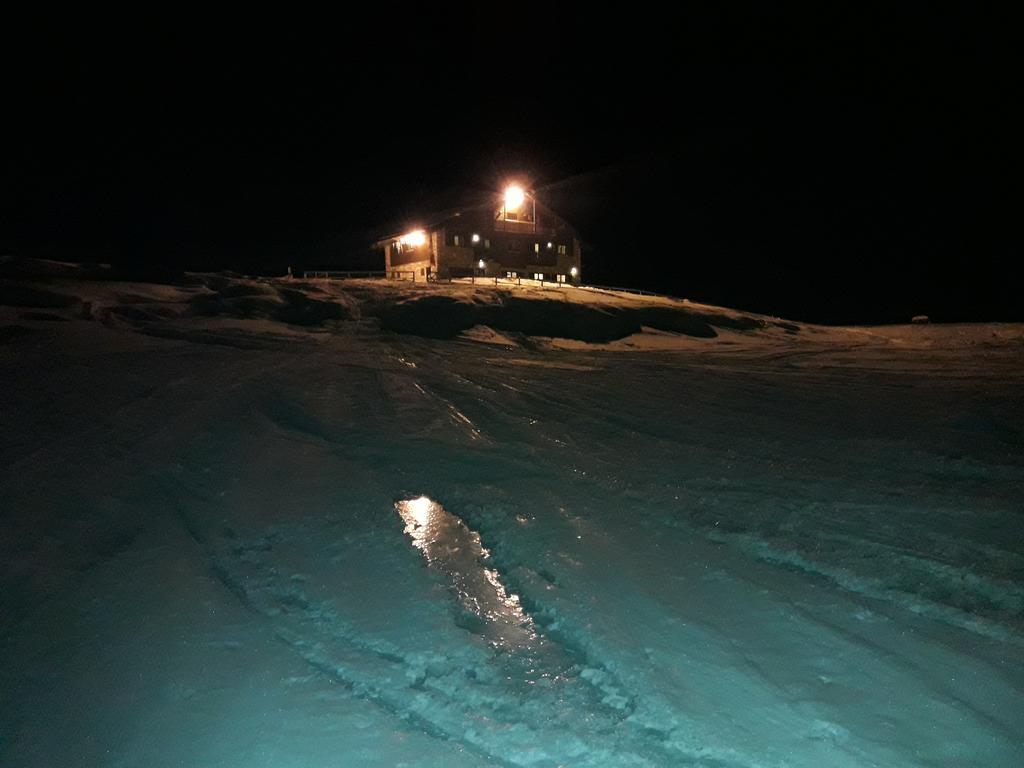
(258, 523)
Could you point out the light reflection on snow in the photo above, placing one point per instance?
(416, 514)
(453, 549)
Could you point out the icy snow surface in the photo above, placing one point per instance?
(242, 528)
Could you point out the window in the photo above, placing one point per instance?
(561, 278)
(536, 247)
(561, 250)
(487, 243)
(513, 244)
(457, 240)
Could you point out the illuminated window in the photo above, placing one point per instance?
(536, 247)
(561, 250)
(487, 243)
(457, 240)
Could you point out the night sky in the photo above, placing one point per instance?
(833, 166)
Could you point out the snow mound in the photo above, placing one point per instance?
(432, 311)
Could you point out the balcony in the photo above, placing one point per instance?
(523, 228)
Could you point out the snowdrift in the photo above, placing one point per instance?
(432, 311)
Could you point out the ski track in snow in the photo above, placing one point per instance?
(530, 702)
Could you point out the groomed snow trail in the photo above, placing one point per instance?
(378, 550)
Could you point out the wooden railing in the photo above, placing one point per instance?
(525, 228)
(356, 274)
(320, 274)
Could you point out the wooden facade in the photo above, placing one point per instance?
(490, 241)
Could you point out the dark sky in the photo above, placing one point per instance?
(833, 166)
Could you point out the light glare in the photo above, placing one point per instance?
(415, 238)
(514, 197)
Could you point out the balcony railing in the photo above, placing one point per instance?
(523, 227)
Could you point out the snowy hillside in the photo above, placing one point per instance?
(286, 523)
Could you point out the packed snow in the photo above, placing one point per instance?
(366, 523)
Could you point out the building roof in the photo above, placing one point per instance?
(436, 218)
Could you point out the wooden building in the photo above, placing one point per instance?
(513, 236)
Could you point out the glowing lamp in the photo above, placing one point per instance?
(475, 238)
(415, 238)
(480, 263)
(514, 197)
(573, 271)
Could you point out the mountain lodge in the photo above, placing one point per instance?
(512, 236)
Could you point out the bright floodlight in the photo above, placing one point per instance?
(514, 197)
(415, 238)
(475, 238)
(480, 263)
(573, 271)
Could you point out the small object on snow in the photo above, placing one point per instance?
(919, 319)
